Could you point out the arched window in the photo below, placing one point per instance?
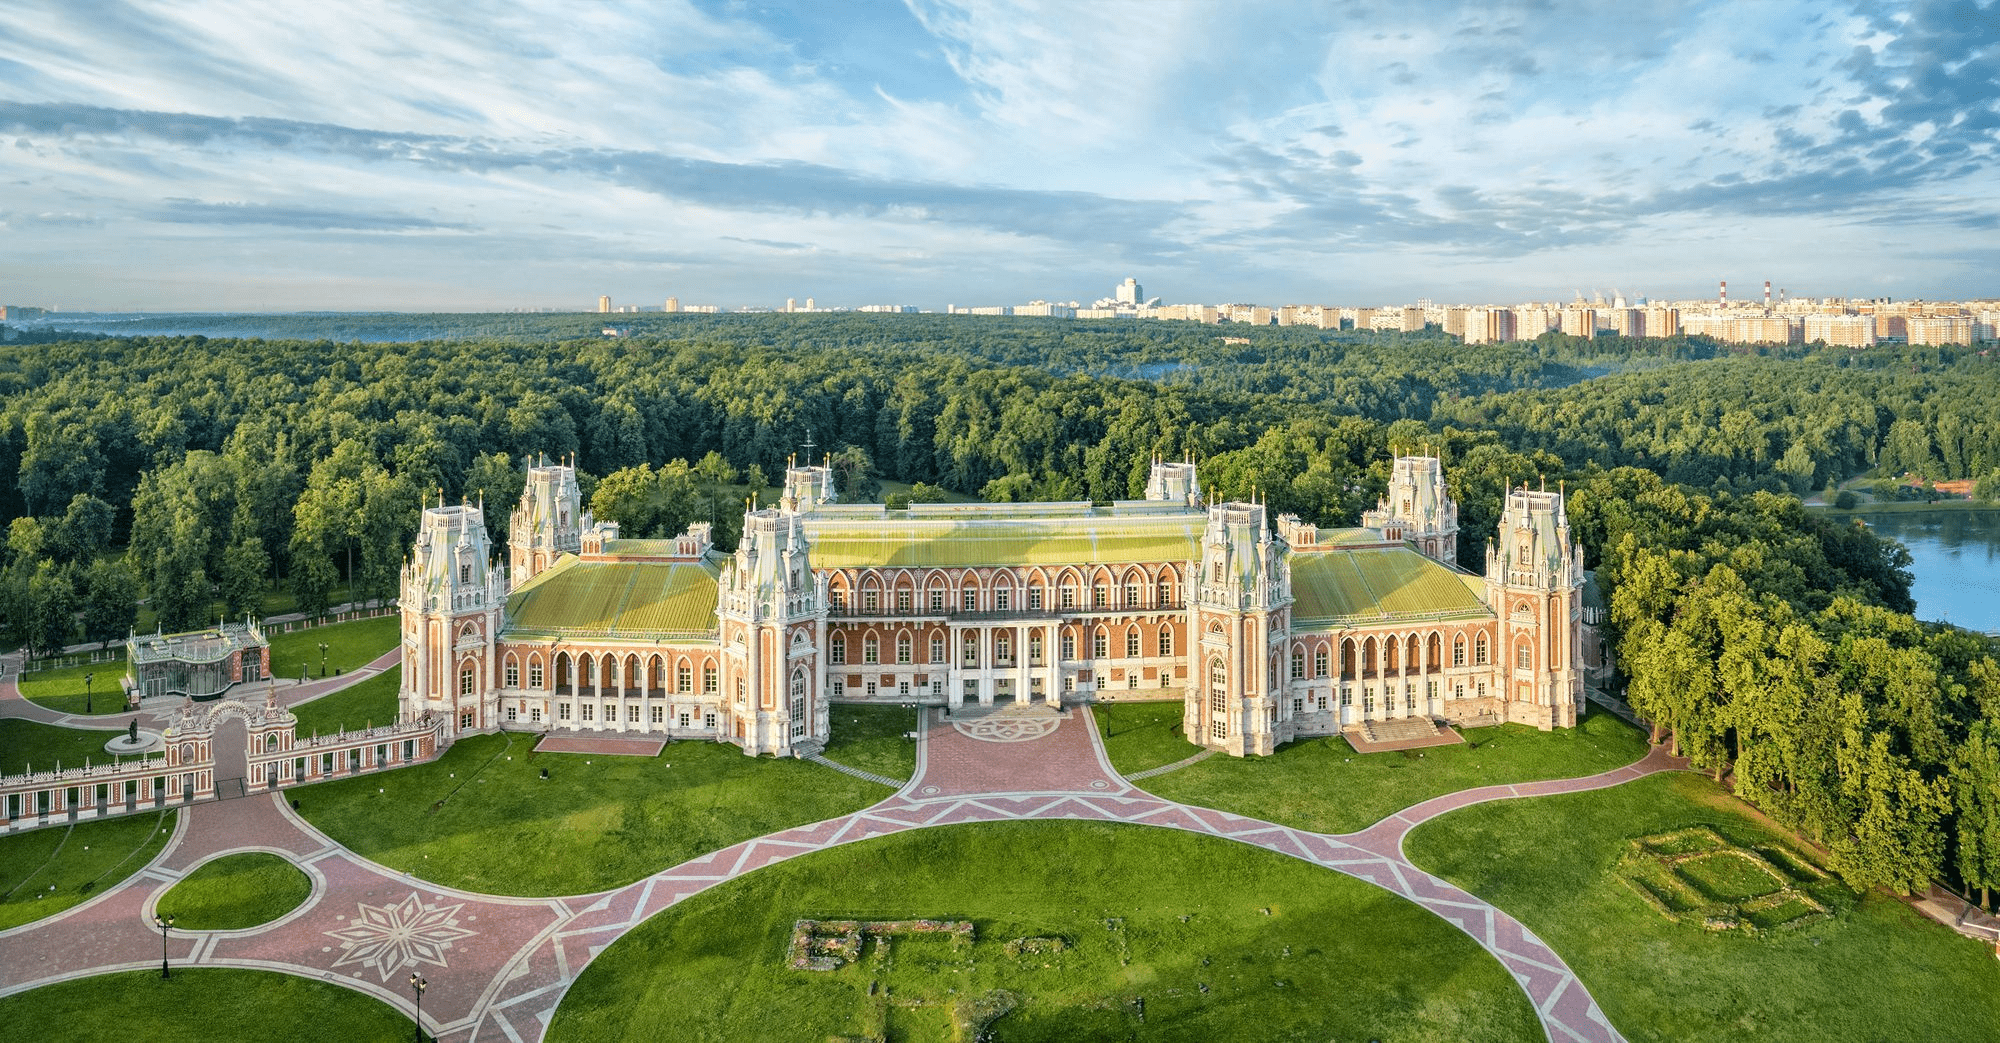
(1068, 645)
(1163, 595)
(1100, 644)
(836, 650)
(1035, 648)
(937, 649)
(1458, 650)
(468, 679)
(535, 677)
(1218, 698)
(1166, 640)
(1524, 655)
(1298, 664)
(1319, 661)
(1003, 647)
(684, 678)
(902, 648)
(968, 595)
(511, 670)
(871, 650)
(1479, 650)
(1131, 642)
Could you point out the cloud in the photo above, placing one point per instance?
(195, 212)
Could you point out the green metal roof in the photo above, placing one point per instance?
(966, 543)
(627, 597)
(1379, 583)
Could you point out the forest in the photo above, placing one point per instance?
(197, 475)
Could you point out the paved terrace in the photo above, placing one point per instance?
(499, 966)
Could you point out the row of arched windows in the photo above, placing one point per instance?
(674, 674)
(1314, 658)
(907, 592)
(929, 647)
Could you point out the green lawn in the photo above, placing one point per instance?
(211, 1004)
(478, 820)
(1139, 736)
(1324, 786)
(348, 645)
(62, 689)
(871, 738)
(1876, 971)
(357, 706)
(1147, 919)
(236, 891)
(79, 861)
(25, 744)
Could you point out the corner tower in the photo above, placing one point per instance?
(1173, 483)
(1418, 509)
(1534, 584)
(452, 597)
(546, 524)
(1238, 621)
(773, 621)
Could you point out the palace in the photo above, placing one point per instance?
(1263, 635)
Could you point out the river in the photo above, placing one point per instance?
(1956, 562)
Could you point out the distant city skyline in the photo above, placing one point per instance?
(527, 156)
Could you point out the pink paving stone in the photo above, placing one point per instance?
(1541, 981)
(608, 746)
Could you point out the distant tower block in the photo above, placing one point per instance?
(1722, 293)
(673, 305)
(604, 304)
(1418, 509)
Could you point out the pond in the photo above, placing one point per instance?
(1956, 562)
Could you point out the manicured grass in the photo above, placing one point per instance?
(348, 645)
(357, 706)
(871, 738)
(1324, 786)
(1139, 736)
(476, 819)
(211, 1004)
(79, 861)
(236, 891)
(1876, 971)
(26, 744)
(61, 689)
(1285, 949)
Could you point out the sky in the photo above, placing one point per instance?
(467, 155)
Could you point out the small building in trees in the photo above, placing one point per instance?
(200, 664)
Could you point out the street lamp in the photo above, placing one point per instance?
(86, 692)
(163, 924)
(417, 983)
(322, 659)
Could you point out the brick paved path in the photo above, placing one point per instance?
(498, 967)
(162, 711)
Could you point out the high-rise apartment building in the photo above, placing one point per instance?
(604, 304)
(1579, 322)
(1841, 331)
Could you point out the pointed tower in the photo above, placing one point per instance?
(806, 487)
(1418, 509)
(452, 597)
(1534, 584)
(546, 524)
(773, 618)
(1174, 483)
(1238, 621)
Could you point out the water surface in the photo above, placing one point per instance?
(1956, 563)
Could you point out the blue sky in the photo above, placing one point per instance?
(246, 154)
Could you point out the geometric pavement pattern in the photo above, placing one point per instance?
(501, 965)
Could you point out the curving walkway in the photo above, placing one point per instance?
(498, 967)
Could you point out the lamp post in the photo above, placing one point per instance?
(86, 691)
(322, 659)
(163, 923)
(417, 985)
